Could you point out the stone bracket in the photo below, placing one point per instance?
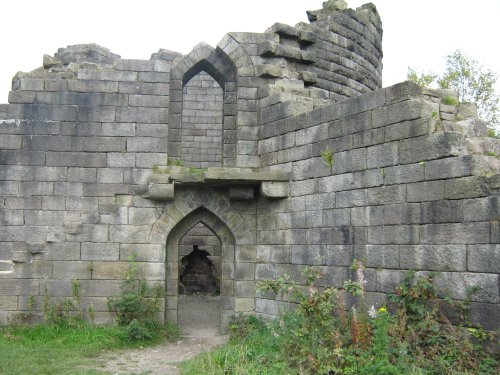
(242, 182)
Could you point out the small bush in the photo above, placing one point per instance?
(135, 306)
(137, 300)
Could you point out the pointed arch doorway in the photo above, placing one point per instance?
(199, 272)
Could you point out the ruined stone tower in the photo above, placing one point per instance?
(271, 151)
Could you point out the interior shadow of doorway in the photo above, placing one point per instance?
(199, 282)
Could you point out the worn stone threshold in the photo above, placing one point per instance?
(272, 184)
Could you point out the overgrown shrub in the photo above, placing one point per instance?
(136, 304)
(319, 335)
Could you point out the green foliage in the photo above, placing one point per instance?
(421, 78)
(492, 133)
(449, 100)
(175, 163)
(473, 82)
(426, 331)
(137, 300)
(67, 311)
(318, 336)
(193, 170)
(327, 156)
(137, 331)
(136, 304)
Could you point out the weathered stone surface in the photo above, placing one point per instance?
(271, 189)
(102, 158)
(161, 191)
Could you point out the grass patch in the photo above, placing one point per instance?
(58, 349)
(251, 350)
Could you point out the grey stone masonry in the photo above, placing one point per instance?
(271, 151)
(201, 132)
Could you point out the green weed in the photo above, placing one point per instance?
(449, 100)
(327, 156)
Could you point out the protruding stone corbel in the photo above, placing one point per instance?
(275, 189)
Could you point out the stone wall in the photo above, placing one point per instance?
(406, 189)
(281, 148)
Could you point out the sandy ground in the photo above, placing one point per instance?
(199, 321)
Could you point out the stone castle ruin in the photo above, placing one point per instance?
(246, 161)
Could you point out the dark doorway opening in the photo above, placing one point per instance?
(198, 274)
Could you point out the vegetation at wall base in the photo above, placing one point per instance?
(66, 344)
(136, 305)
(320, 336)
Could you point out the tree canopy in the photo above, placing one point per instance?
(472, 81)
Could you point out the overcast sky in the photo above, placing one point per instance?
(417, 33)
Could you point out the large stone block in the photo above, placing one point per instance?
(10, 142)
(351, 198)
(466, 187)
(409, 129)
(69, 270)
(378, 256)
(388, 280)
(100, 251)
(481, 209)
(76, 159)
(16, 287)
(445, 211)
(404, 213)
(401, 174)
(96, 113)
(382, 155)
(334, 183)
(433, 257)
(349, 161)
(129, 233)
(403, 111)
(76, 174)
(21, 157)
(483, 258)
(455, 233)
(386, 195)
(425, 191)
(433, 146)
(457, 284)
(393, 234)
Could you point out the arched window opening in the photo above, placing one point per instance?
(202, 122)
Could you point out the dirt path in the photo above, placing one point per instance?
(199, 320)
